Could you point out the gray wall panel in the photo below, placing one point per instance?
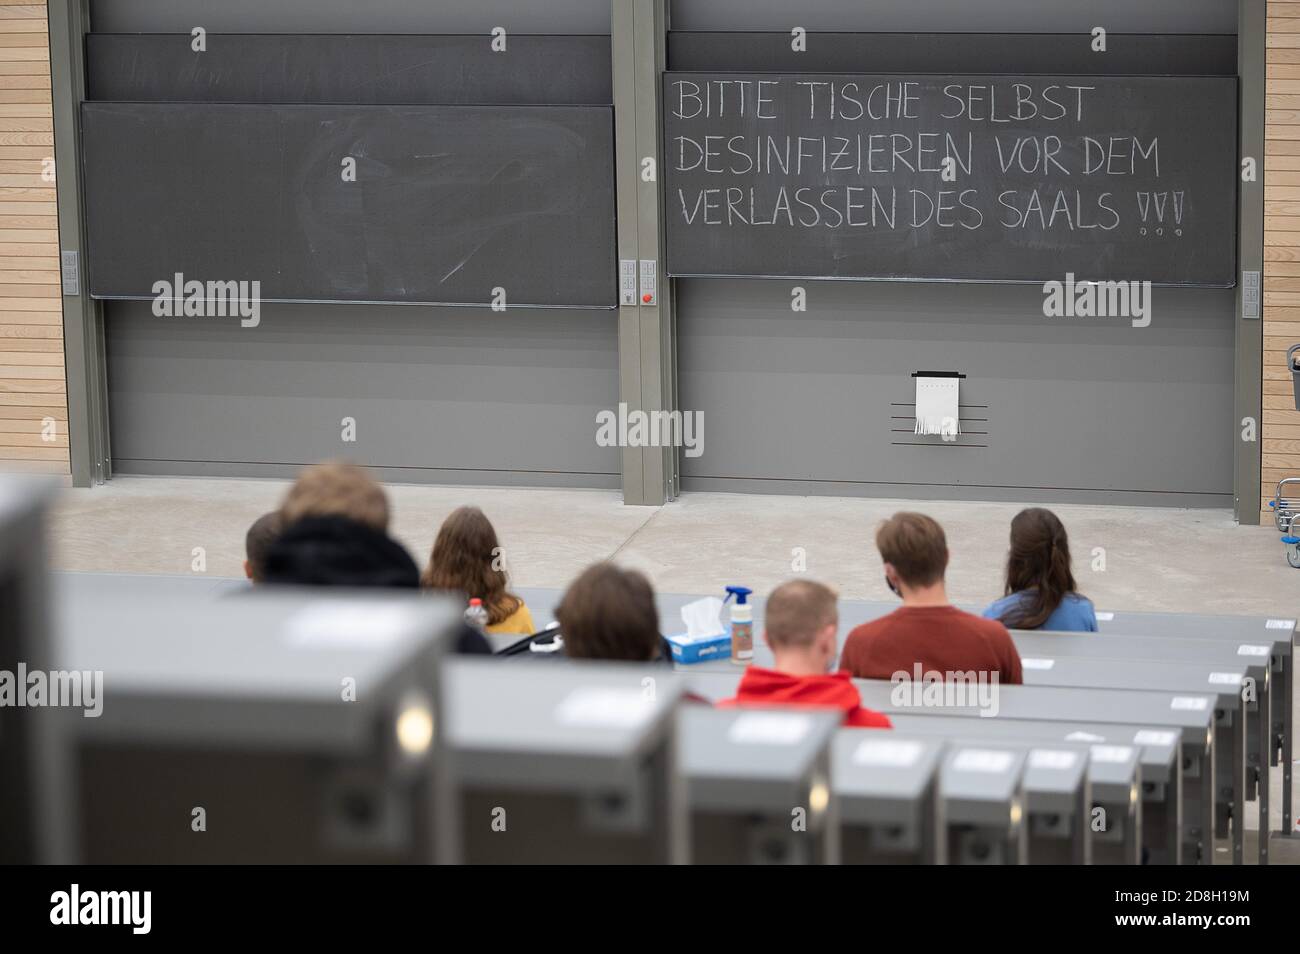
(440, 394)
(960, 16)
(448, 389)
(1060, 409)
(349, 16)
(1128, 53)
(1083, 404)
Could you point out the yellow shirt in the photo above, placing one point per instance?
(520, 621)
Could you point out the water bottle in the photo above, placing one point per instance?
(476, 615)
(742, 625)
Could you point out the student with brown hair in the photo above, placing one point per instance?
(1040, 590)
(926, 630)
(800, 624)
(609, 613)
(257, 542)
(466, 557)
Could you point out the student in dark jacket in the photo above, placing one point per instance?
(334, 532)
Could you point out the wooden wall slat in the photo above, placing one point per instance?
(33, 388)
(1279, 431)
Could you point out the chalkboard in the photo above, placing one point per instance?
(375, 70)
(447, 204)
(962, 178)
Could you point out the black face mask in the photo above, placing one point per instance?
(892, 588)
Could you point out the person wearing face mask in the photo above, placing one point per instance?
(926, 631)
(800, 626)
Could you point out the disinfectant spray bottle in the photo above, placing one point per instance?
(742, 625)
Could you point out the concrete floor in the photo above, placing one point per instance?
(1124, 557)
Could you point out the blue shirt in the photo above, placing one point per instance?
(1074, 615)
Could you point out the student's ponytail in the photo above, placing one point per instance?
(1038, 568)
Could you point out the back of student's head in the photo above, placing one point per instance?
(1039, 566)
(466, 557)
(336, 489)
(264, 531)
(334, 532)
(609, 613)
(797, 612)
(915, 546)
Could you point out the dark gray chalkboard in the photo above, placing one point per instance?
(370, 70)
(870, 201)
(449, 202)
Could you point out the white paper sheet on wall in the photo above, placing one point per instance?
(936, 406)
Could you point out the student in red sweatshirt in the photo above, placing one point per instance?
(926, 629)
(800, 625)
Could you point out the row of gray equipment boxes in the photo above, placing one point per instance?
(1105, 685)
(298, 726)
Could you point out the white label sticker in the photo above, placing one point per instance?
(983, 760)
(1029, 663)
(1104, 617)
(1197, 703)
(604, 707)
(1152, 737)
(1111, 753)
(1246, 649)
(349, 625)
(887, 753)
(1280, 624)
(1054, 759)
(1225, 679)
(769, 728)
(1084, 737)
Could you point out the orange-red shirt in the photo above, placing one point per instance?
(832, 691)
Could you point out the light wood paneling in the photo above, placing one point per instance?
(33, 389)
(1280, 429)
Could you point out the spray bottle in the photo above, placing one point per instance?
(742, 625)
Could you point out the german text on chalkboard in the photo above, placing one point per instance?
(963, 178)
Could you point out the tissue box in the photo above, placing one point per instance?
(687, 650)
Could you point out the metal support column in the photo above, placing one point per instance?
(646, 317)
(83, 319)
(1248, 371)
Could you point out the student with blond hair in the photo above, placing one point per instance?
(467, 558)
(800, 624)
(334, 532)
